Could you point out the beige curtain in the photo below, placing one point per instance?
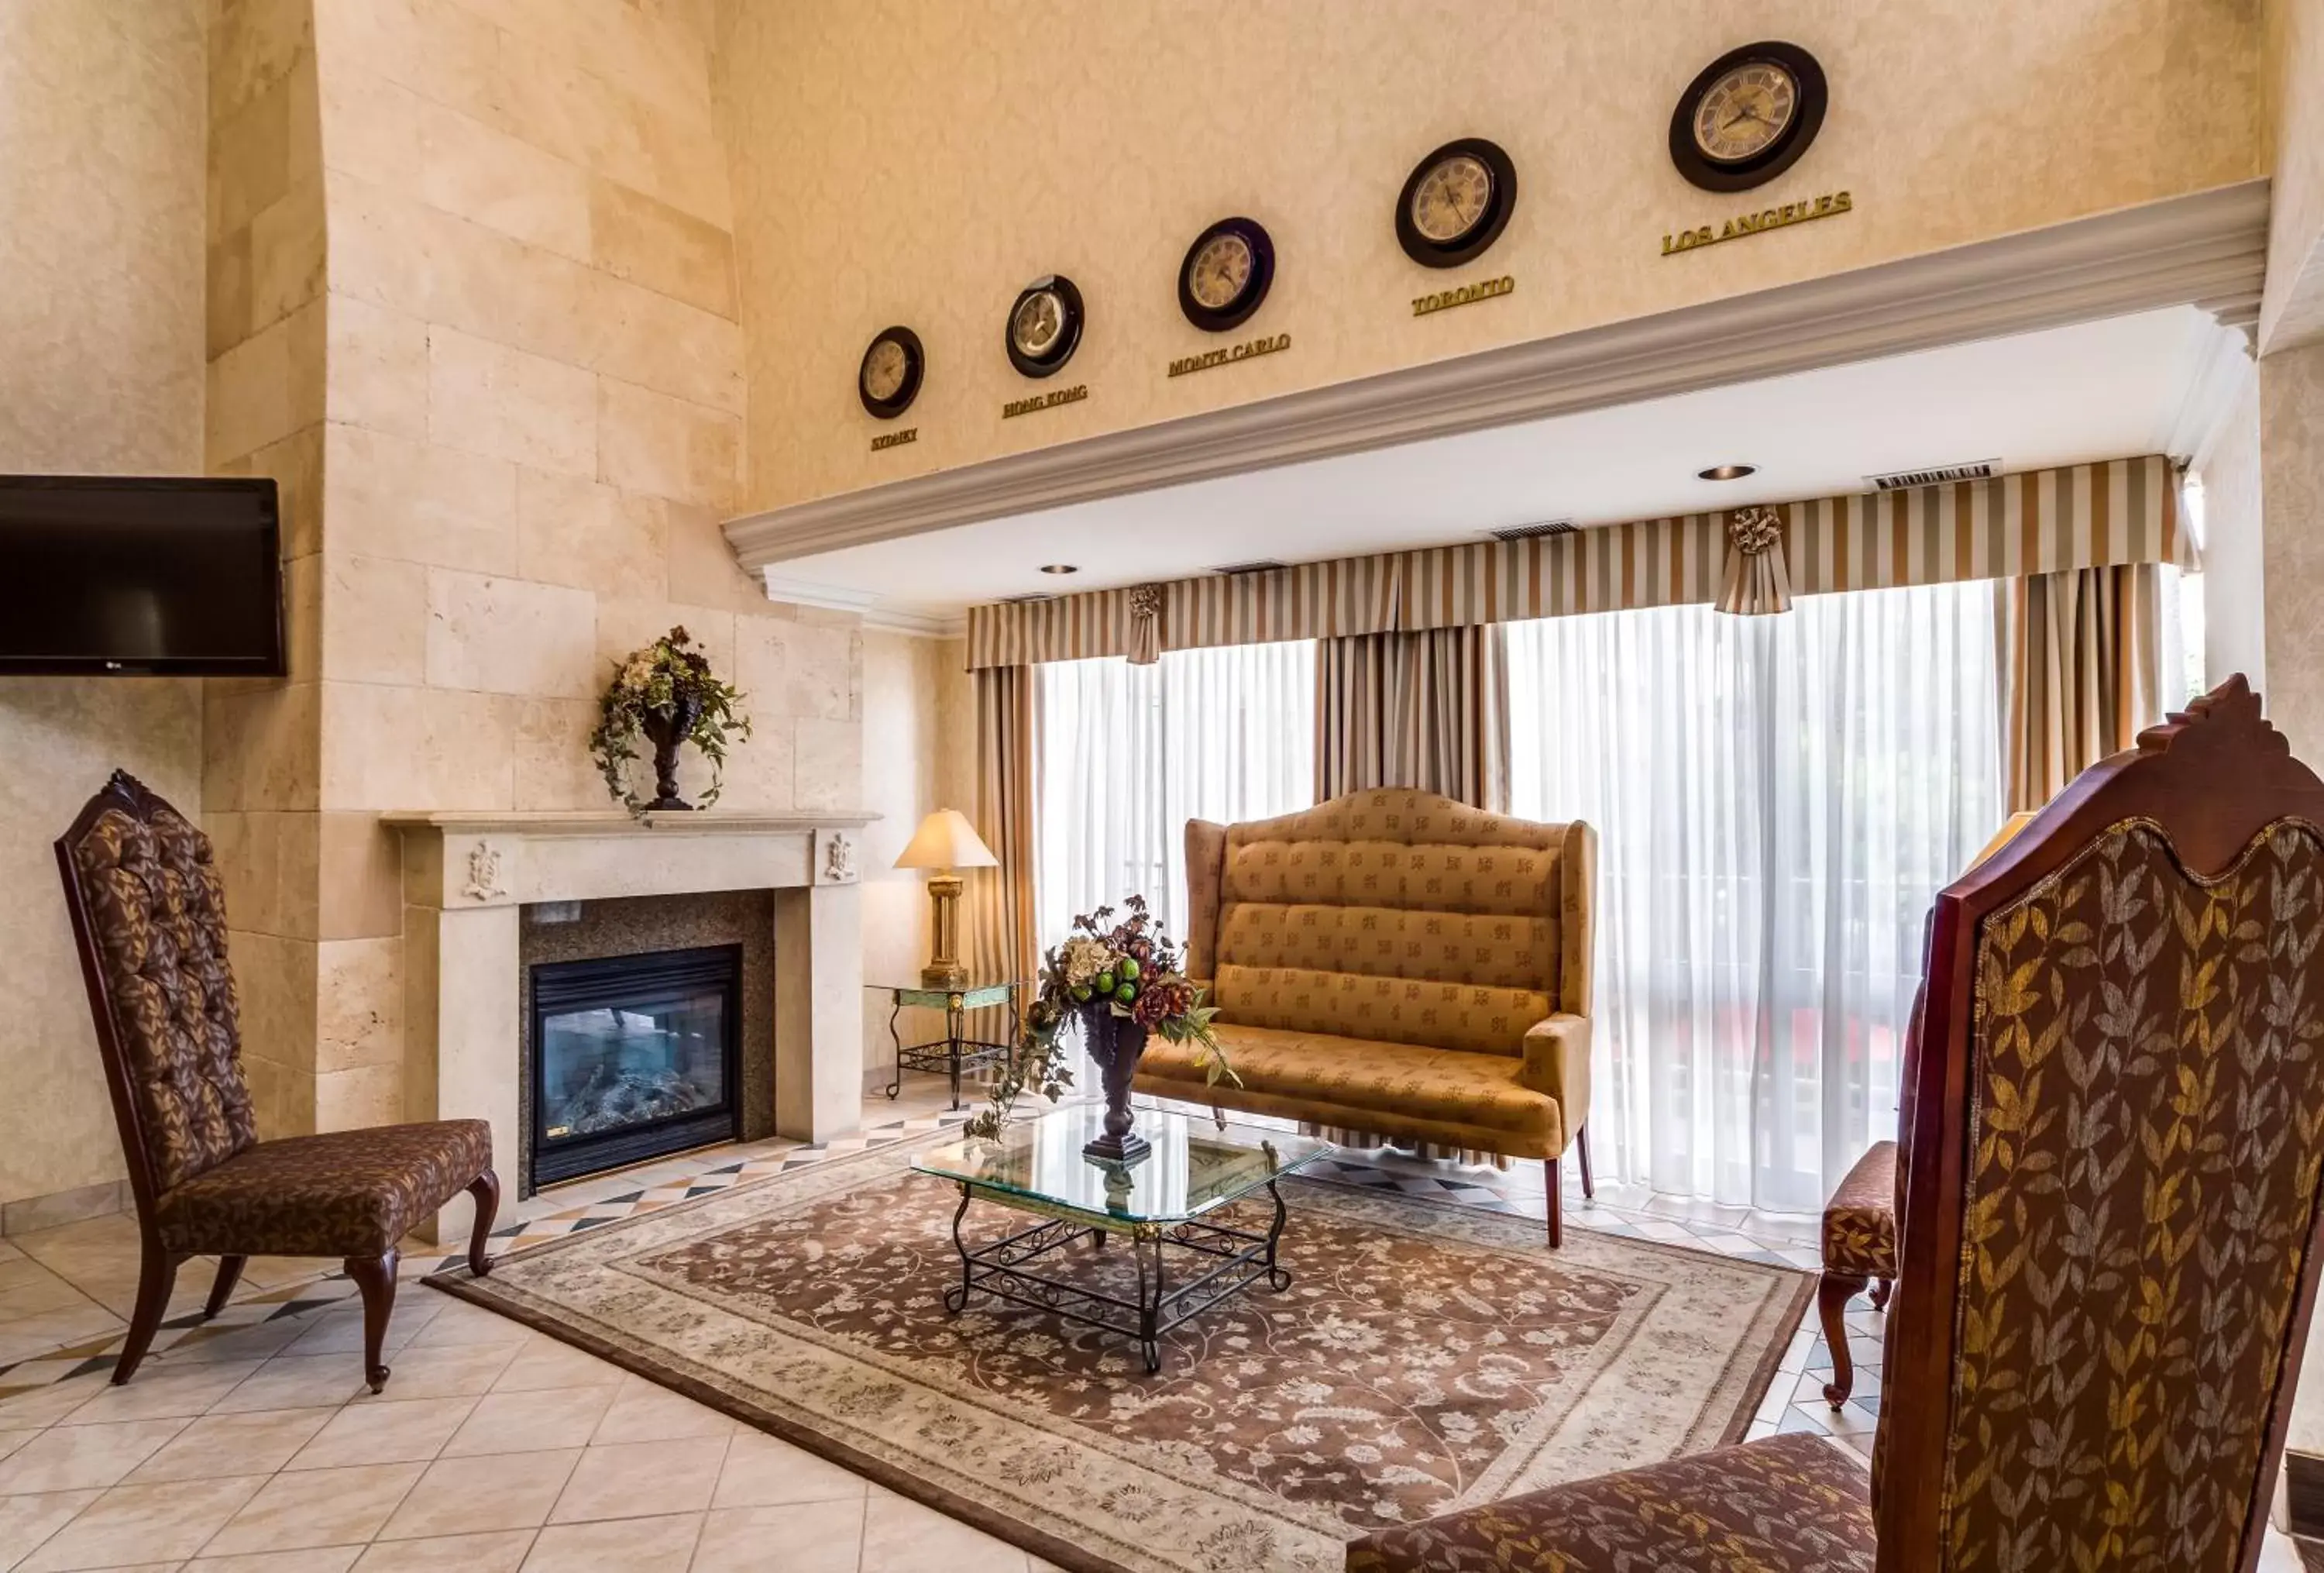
(2082, 657)
(1001, 940)
(1426, 710)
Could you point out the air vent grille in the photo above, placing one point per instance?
(1257, 565)
(1981, 469)
(1535, 531)
(1027, 597)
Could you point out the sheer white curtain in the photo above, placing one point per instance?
(1777, 798)
(1129, 754)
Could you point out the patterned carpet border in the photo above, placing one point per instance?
(997, 1520)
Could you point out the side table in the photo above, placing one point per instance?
(956, 1052)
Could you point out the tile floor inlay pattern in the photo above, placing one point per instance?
(285, 1344)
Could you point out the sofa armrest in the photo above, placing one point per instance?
(1557, 1062)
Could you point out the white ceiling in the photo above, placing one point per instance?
(2099, 390)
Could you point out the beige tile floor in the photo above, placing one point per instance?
(497, 1449)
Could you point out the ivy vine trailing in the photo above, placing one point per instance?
(669, 681)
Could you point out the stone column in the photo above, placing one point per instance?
(818, 1011)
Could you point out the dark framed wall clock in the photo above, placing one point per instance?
(889, 380)
(1749, 116)
(1045, 326)
(1455, 203)
(1226, 275)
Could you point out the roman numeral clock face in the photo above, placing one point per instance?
(1748, 117)
(1225, 274)
(1455, 202)
(1745, 112)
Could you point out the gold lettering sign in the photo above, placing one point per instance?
(1466, 295)
(1245, 351)
(1048, 401)
(895, 439)
(1830, 205)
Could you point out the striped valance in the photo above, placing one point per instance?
(2086, 516)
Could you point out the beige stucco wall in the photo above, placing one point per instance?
(101, 193)
(940, 157)
(2292, 449)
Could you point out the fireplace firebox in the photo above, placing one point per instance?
(633, 1057)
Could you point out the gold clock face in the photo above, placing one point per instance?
(1220, 271)
(1039, 322)
(1452, 199)
(1745, 112)
(884, 370)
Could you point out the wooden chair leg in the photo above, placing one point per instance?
(376, 1277)
(1832, 1296)
(1880, 1288)
(229, 1274)
(1550, 1183)
(1582, 1145)
(157, 1274)
(486, 1189)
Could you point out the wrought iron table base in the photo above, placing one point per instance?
(954, 1053)
(1001, 1269)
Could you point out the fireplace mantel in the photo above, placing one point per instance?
(467, 875)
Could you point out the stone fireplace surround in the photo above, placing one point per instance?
(468, 876)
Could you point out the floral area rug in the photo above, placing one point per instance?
(1425, 1357)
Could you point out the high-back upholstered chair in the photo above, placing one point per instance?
(1396, 964)
(2114, 1133)
(148, 914)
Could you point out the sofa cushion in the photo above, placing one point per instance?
(345, 1193)
(1468, 1018)
(1334, 1078)
(1859, 1222)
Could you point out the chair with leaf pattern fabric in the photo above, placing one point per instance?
(148, 914)
(2112, 1165)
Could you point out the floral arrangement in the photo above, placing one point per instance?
(1129, 970)
(666, 694)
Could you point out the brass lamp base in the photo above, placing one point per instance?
(945, 968)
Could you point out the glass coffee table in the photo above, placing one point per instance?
(1195, 1167)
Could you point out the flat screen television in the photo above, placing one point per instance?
(116, 574)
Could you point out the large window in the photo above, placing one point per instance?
(1130, 753)
(1776, 799)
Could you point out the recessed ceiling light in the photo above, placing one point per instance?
(1727, 472)
(1059, 568)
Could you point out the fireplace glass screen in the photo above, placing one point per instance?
(633, 1057)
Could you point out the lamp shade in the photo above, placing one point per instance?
(945, 840)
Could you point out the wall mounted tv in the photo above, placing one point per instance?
(116, 574)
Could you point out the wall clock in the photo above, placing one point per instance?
(1749, 116)
(889, 380)
(1455, 203)
(1045, 326)
(1226, 275)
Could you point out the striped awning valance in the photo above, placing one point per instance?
(2086, 516)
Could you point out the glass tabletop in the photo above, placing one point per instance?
(1195, 1164)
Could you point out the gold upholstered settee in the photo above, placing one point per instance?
(1396, 963)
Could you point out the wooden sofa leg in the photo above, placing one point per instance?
(376, 1277)
(157, 1274)
(1581, 1146)
(229, 1274)
(486, 1189)
(1550, 1183)
(1832, 1296)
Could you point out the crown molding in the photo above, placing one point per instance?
(2208, 249)
(2221, 375)
(891, 617)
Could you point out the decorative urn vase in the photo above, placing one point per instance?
(1117, 1043)
(666, 729)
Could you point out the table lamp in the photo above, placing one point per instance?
(947, 841)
